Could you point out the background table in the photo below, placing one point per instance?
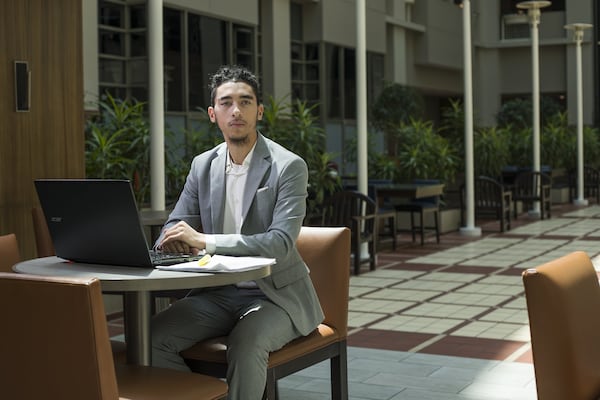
(410, 191)
(136, 284)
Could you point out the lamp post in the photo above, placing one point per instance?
(470, 229)
(533, 12)
(578, 38)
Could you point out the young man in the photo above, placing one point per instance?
(246, 196)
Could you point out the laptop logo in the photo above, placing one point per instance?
(55, 219)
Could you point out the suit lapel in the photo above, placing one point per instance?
(259, 165)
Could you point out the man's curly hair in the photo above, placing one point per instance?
(233, 73)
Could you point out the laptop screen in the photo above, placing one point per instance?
(94, 221)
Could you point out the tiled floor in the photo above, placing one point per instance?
(448, 320)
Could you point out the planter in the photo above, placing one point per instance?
(449, 220)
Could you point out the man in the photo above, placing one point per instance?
(250, 196)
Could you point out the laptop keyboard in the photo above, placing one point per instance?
(160, 258)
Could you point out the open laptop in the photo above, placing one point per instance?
(96, 221)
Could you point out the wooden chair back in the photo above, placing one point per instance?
(43, 240)
(55, 345)
(563, 299)
(9, 252)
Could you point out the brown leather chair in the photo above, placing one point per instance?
(563, 302)
(9, 252)
(54, 345)
(43, 241)
(326, 251)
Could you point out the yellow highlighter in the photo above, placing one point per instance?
(204, 260)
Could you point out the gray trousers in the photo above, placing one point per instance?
(255, 326)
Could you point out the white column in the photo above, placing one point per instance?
(578, 38)
(156, 104)
(361, 95)
(533, 11)
(469, 229)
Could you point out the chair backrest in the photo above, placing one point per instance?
(488, 192)
(9, 252)
(529, 183)
(591, 176)
(43, 240)
(326, 251)
(563, 303)
(342, 207)
(55, 341)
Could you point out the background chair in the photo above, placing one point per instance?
(423, 207)
(43, 240)
(530, 187)
(55, 346)
(357, 212)
(491, 199)
(326, 251)
(591, 183)
(9, 252)
(563, 299)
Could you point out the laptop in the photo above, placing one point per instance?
(96, 221)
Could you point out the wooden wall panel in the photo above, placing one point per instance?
(48, 141)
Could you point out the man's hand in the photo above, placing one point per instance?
(182, 238)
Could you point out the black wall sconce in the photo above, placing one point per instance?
(22, 86)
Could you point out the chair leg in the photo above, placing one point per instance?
(339, 374)
(412, 225)
(422, 227)
(357, 261)
(392, 223)
(437, 225)
(271, 392)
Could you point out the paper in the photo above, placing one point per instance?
(219, 263)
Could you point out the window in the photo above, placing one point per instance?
(122, 49)
(305, 63)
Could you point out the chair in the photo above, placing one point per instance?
(55, 346)
(491, 199)
(9, 252)
(326, 251)
(563, 299)
(591, 183)
(43, 240)
(422, 207)
(530, 187)
(358, 212)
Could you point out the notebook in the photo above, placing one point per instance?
(96, 221)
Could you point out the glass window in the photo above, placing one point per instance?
(111, 14)
(138, 71)
(116, 92)
(312, 72)
(296, 21)
(173, 60)
(204, 33)
(112, 71)
(349, 83)
(137, 16)
(112, 43)
(333, 81)
(244, 46)
(312, 52)
(296, 51)
(138, 44)
(296, 71)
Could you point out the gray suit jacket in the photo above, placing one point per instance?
(273, 210)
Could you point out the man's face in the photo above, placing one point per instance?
(236, 111)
